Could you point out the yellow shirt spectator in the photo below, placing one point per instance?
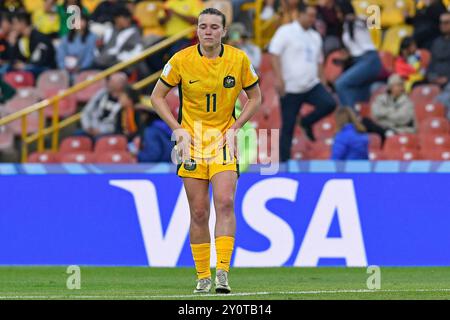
(189, 8)
(47, 20)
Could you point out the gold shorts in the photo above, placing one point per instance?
(207, 168)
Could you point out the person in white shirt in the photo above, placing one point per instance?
(353, 85)
(297, 61)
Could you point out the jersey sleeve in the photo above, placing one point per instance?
(170, 75)
(249, 76)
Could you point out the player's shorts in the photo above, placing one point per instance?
(207, 168)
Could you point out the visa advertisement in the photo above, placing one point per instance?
(290, 219)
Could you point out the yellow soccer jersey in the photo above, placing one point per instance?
(208, 91)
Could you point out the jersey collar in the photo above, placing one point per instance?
(220, 54)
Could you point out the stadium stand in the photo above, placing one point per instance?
(433, 129)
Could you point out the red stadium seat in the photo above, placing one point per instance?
(115, 157)
(402, 154)
(66, 106)
(364, 109)
(325, 128)
(29, 92)
(17, 103)
(6, 139)
(88, 92)
(111, 143)
(376, 155)
(32, 124)
(388, 62)
(52, 81)
(424, 93)
(77, 157)
(19, 79)
(436, 154)
(76, 144)
(43, 157)
(403, 141)
(434, 125)
(321, 150)
(434, 141)
(429, 110)
(374, 141)
(301, 147)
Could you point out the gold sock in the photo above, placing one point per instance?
(224, 250)
(201, 254)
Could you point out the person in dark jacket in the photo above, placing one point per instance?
(351, 142)
(32, 51)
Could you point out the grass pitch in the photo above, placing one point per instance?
(246, 283)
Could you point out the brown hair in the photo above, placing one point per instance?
(346, 115)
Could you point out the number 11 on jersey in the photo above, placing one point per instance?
(208, 102)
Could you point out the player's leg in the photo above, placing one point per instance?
(197, 191)
(224, 188)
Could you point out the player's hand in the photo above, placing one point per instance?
(279, 86)
(183, 147)
(231, 141)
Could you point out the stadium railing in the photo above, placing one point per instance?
(57, 124)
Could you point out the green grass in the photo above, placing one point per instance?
(247, 283)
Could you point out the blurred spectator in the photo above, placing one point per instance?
(64, 15)
(354, 84)
(11, 5)
(5, 47)
(297, 60)
(104, 12)
(154, 143)
(426, 22)
(121, 43)
(100, 115)
(268, 10)
(409, 64)
(439, 69)
(333, 27)
(46, 20)
(32, 51)
(6, 91)
(76, 50)
(179, 15)
(393, 111)
(351, 141)
(289, 11)
(238, 37)
(128, 120)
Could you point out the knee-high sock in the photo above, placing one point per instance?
(224, 250)
(201, 254)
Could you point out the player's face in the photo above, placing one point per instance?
(210, 30)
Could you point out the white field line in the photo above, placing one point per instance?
(241, 294)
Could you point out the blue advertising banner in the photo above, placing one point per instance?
(290, 219)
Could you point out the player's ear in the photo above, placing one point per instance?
(224, 32)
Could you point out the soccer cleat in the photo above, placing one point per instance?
(203, 286)
(222, 282)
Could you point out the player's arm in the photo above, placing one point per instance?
(251, 107)
(159, 102)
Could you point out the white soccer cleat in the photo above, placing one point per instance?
(203, 286)
(222, 282)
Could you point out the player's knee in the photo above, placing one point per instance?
(199, 215)
(224, 205)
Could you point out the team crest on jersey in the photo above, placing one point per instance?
(190, 165)
(229, 82)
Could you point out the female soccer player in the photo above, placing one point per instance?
(210, 77)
